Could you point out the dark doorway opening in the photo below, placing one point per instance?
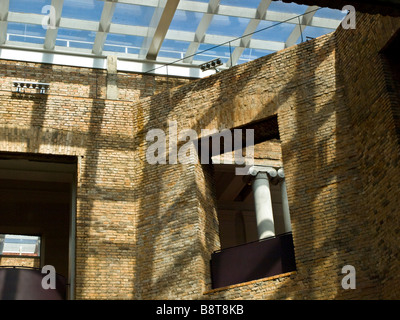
(37, 198)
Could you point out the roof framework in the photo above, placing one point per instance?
(148, 34)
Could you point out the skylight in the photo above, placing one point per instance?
(22, 245)
(163, 32)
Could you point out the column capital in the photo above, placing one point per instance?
(270, 171)
(274, 174)
(281, 173)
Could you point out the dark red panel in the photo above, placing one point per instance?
(251, 261)
(26, 284)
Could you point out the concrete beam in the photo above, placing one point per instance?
(248, 33)
(51, 33)
(158, 28)
(4, 5)
(201, 30)
(104, 26)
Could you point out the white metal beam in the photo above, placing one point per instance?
(70, 23)
(51, 33)
(158, 28)
(305, 20)
(201, 30)
(4, 6)
(248, 33)
(104, 26)
(124, 29)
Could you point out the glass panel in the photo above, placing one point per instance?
(228, 26)
(287, 7)
(82, 9)
(330, 14)
(208, 52)
(11, 244)
(26, 32)
(273, 31)
(186, 20)
(123, 43)
(173, 49)
(252, 54)
(75, 38)
(28, 6)
(240, 3)
(132, 15)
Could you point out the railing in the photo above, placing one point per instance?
(121, 48)
(118, 48)
(252, 261)
(23, 283)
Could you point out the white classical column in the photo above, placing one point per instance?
(285, 202)
(263, 201)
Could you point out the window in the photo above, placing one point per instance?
(19, 245)
(235, 194)
(253, 214)
(236, 206)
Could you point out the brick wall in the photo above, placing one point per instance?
(74, 119)
(147, 231)
(300, 85)
(15, 261)
(84, 82)
(373, 105)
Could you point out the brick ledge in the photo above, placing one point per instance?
(282, 275)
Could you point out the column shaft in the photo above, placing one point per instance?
(263, 206)
(285, 207)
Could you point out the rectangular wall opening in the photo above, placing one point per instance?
(236, 208)
(391, 64)
(254, 228)
(38, 210)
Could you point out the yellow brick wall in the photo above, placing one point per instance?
(15, 261)
(373, 110)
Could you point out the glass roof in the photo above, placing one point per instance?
(185, 32)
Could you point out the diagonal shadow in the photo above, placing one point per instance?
(219, 100)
